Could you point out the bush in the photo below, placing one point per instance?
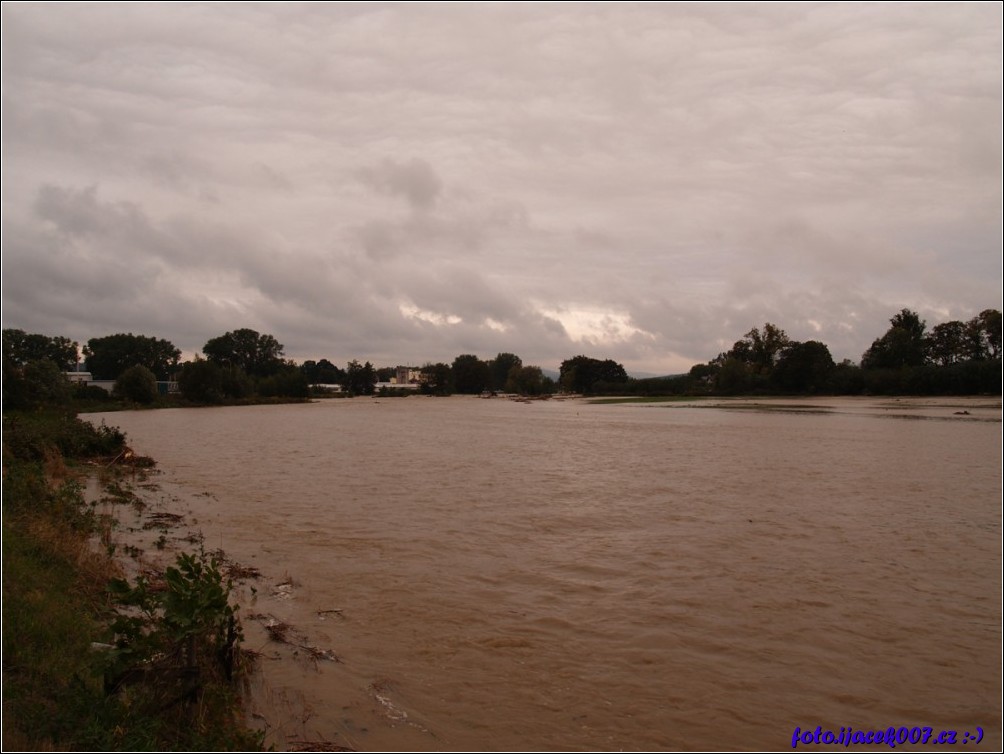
(137, 384)
(188, 623)
(289, 383)
(35, 436)
(92, 393)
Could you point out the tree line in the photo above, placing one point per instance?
(951, 358)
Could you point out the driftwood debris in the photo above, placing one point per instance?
(160, 520)
(128, 457)
(297, 745)
(237, 571)
(283, 633)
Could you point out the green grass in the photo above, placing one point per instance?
(56, 602)
(50, 600)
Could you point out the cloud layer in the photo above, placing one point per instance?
(406, 183)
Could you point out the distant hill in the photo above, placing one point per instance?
(554, 375)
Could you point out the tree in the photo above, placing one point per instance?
(360, 379)
(984, 336)
(948, 343)
(329, 373)
(471, 375)
(34, 385)
(201, 381)
(909, 321)
(528, 380)
(309, 370)
(759, 350)
(733, 376)
(235, 382)
(500, 367)
(581, 374)
(258, 355)
(21, 347)
(903, 344)
(137, 384)
(322, 372)
(437, 379)
(847, 379)
(110, 356)
(804, 367)
(702, 376)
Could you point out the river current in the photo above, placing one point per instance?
(561, 575)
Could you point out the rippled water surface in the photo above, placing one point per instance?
(561, 575)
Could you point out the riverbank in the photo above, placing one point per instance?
(157, 517)
(66, 637)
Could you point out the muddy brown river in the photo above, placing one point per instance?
(567, 576)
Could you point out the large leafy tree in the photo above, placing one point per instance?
(500, 367)
(201, 381)
(437, 379)
(760, 350)
(20, 348)
(258, 355)
(734, 377)
(984, 335)
(804, 367)
(582, 374)
(470, 374)
(948, 343)
(110, 356)
(360, 379)
(903, 344)
(322, 372)
(528, 380)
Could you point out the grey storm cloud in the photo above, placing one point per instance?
(405, 183)
(415, 180)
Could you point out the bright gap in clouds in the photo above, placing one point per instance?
(423, 315)
(596, 326)
(439, 319)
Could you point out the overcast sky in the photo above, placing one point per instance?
(407, 183)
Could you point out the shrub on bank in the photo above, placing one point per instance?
(137, 384)
(36, 436)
